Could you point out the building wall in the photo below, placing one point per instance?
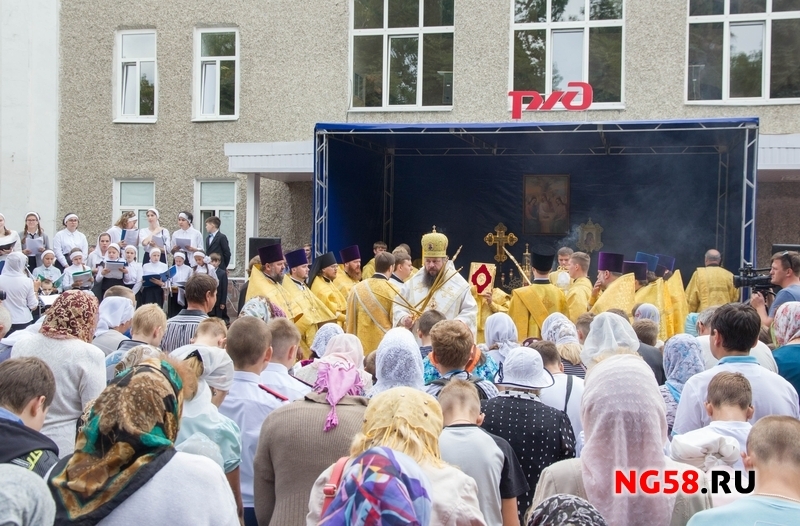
(294, 73)
(28, 110)
(776, 223)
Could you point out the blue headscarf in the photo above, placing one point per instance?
(682, 359)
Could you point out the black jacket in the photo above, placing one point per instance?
(220, 246)
(26, 447)
(655, 360)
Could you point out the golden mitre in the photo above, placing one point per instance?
(434, 245)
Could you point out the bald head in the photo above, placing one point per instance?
(713, 257)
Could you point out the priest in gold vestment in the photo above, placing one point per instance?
(350, 272)
(674, 295)
(612, 290)
(267, 278)
(560, 276)
(531, 305)
(315, 312)
(710, 286)
(369, 306)
(369, 269)
(651, 293)
(321, 281)
(580, 289)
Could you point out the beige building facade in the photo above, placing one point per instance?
(209, 107)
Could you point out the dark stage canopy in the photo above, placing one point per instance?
(670, 187)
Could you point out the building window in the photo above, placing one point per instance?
(137, 197)
(218, 198)
(555, 42)
(401, 54)
(216, 74)
(136, 81)
(743, 51)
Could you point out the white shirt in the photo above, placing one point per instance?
(276, 376)
(134, 276)
(67, 282)
(190, 490)
(13, 237)
(162, 234)
(556, 394)
(248, 405)
(760, 351)
(772, 395)
(52, 273)
(64, 241)
(20, 298)
(195, 240)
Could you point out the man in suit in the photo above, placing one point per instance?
(217, 242)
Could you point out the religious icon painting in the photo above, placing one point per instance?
(545, 205)
(589, 237)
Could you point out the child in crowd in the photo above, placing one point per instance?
(133, 278)
(47, 270)
(76, 257)
(285, 338)
(27, 388)
(202, 265)
(153, 292)
(177, 299)
(220, 309)
(451, 353)
(424, 325)
(211, 332)
(105, 275)
(147, 328)
(487, 458)
(248, 403)
(647, 331)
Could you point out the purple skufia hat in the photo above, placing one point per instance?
(270, 254)
(667, 262)
(350, 253)
(296, 258)
(610, 261)
(649, 259)
(660, 271)
(638, 268)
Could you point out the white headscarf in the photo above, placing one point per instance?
(114, 311)
(500, 330)
(607, 333)
(24, 497)
(647, 311)
(558, 329)
(15, 265)
(217, 373)
(398, 362)
(625, 424)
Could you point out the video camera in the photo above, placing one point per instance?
(757, 279)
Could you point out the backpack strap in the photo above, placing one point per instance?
(569, 391)
(330, 489)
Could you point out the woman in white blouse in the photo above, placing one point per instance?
(98, 255)
(154, 236)
(20, 297)
(133, 278)
(9, 240)
(67, 239)
(186, 238)
(127, 221)
(33, 231)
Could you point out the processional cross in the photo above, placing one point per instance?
(500, 239)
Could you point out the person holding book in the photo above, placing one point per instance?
(152, 284)
(34, 240)
(186, 238)
(67, 239)
(154, 236)
(109, 272)
(77, 275)
(9, 240)
(48, 270)
(177, 282)
(133, 278)
(125, 231)
(98, 255)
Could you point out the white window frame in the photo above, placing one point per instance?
(198, 212)
(118, 208)
(388, 32)
(197, 81)
(560, 26)
(119, 117)
(766, 63)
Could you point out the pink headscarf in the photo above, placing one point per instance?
(787, 322)
(624, 421)
(339, 374)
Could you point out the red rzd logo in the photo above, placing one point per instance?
(567, 98)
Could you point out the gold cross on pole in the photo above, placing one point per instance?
(500, 239)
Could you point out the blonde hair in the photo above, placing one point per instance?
(775, 438)
(460, 395)
(212, 327)
(148, 318)
(571, 352)
(284, 335)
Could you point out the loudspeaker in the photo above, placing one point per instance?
(254, 243)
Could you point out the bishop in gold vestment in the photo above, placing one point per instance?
(323, 273)
(315, 312)
(369, 307)
(531, 305)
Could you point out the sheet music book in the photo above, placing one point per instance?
(116, 269)
(130, 237)
(34, 245)
(82, 278)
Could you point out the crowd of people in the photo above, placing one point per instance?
(392, 395)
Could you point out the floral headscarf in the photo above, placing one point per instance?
(381, 487)
(565, 509)
(558, 329)
(339, 373)
(73, 315)
(127, 439)
(683, 358)
(260, 307)
(787, 322)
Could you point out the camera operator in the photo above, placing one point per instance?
(784, 272)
